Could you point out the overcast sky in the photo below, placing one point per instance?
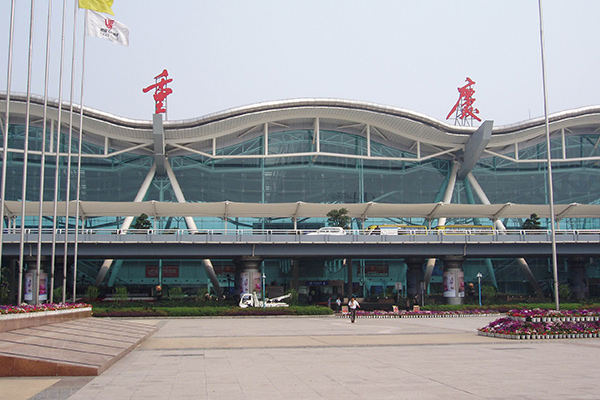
(408, 54)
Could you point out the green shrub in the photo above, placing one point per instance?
(202, 292)
(4, 288)
(175, 293)
(57, 294)
(142, 222)
(294, 298)
(121, 294)
(195, 311)
(488, 293)
(91, 294)
(564, 292)
(309, 310)
(128, 312)
(205, 311)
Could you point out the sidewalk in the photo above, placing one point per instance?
(330, 358)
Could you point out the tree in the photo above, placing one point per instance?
(142, 222)
(488, 293)
(339, 218)
(533, 222)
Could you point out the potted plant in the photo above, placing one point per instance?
(142, 223)
(339, 218)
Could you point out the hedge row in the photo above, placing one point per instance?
(99, 311)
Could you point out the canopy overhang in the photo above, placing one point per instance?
(229, 209)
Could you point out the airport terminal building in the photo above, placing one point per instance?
(295, 153)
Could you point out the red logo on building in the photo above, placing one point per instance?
(463, 109)
(161, 91)
(109, 23)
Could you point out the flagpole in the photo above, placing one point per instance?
(5, 133)
(57, 151)
(69, 154)
(77, 205)
(25, 153)
(550, 186)
(43, 156)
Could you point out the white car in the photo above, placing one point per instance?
(329, 230)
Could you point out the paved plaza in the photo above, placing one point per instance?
(303, 358)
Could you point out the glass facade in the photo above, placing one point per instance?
(334, 166)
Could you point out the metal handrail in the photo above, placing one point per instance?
(303, 233)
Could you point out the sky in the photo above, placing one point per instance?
(411, 54)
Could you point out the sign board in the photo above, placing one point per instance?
(377, 270)
(168, 271)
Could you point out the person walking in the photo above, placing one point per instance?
(353, 305)
(338, 303)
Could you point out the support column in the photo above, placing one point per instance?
(454, 279)
(577, 283)
(210, 272)
(350, 287)
(414, 275)
(13, 281)
(127, 222)
(114, 272)
(247, 275)
(295, 274)
(500, 226)
(442, 221)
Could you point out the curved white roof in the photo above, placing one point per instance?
(395, 127)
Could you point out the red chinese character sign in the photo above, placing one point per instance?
(463, 109)
(161, 91)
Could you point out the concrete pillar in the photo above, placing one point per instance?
(295, 274)
(414, 275)
(577, 283)
(13, 280)
(350, 287)
(247, 275)
(454, 279)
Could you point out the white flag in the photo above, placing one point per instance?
(100, 26)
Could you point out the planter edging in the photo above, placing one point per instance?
(9, 322)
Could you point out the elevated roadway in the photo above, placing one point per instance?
(181, 244)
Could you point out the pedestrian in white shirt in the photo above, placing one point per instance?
(353, 305)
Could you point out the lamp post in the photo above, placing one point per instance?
(479, 276)
(264, 277)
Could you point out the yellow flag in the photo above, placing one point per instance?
(103, 6)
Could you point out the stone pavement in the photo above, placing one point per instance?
(78, 347)
(330, 358)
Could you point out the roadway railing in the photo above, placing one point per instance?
(303, 235)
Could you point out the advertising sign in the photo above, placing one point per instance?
(244, 282)
(454, 283)
(28, 295)
(43, 286)
(450, 283)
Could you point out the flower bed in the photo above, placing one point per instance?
(542, 315)
(420, 314)
(27, 316)
(545, 324)
(27, 308)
